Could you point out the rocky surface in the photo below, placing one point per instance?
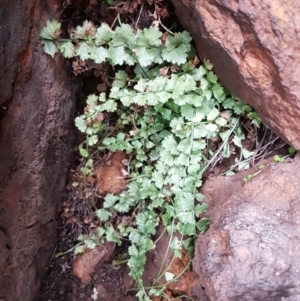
(251, 250)
(35, 145)
(254, 48)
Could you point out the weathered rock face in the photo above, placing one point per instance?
(251, 250)
(35, 144)
(254, 48)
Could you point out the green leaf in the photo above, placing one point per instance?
(212, 77)
(213, 114)
(208, 65)
(123, 36)
(170, 144)
(146, 223)
(185, 146)
(199, 197)
(176, 247)
(158, 179)
(246, 153)
(141, 294)
(225, 135)
(177, 55)
(110, 200)
(198, 73)
(157, 202)
(171, 83)
(255, 118)
(109, 106)
(80, 124)
(100, 232)
(103, 214)
(237, 140)
(49, 48)
(92, 140)
(120, 79)
(207, 94)
(278, 159)
(200, 208)
(200, 131)
(178, 91)
(89, 163)
(157, 291)
(163, 96)
(79, 249)
(85, 170)
(103, 35)
(229, 103)
(83, 51)
(141, 85)
(292, 150)
(111, 234)
(66, 48)
(92, 99)
(218, 92)
(187, 111)
(203, 224)
(198, 145)
(149, 37)
(186, 229)
(82, 237)
(99, 55)
(90, 244)
(221, 121)
(118, 56)
(51, 31)
(84, 152)
(211, 127)
(146, 56)
(189, 83)
(179, 38)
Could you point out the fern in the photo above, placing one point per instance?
(169, 112)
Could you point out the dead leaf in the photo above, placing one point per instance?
(225, 114)
(102, 87)
(164, 38)
(78, 67)
(164, 71)
(90, 28)
(186, 281)
(112, 177)
(85, 263)
(174, 69)
(196, 61)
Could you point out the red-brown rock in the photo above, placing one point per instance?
(255, 50)
(251, 250)
(35, 146)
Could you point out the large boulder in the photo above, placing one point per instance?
(252, 248)
(37, 100)
(255, 50)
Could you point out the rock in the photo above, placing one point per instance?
(85, 264)
(251, 250)
(254, 48)
(35, 146)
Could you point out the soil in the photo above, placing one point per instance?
(62, 285)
